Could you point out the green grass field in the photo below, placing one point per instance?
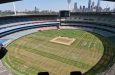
(35, 53)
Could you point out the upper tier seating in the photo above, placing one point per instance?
(16, 19)
(102, 19)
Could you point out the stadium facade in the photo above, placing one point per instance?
(100, 23)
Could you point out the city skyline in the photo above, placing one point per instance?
(54, 5)
(92, 7)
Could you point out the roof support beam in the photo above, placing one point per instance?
(6, 1)
(109, 0)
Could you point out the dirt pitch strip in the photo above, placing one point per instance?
(63, 40)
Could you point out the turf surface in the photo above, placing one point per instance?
(35, 53)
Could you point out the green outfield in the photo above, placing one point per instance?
(36, 53)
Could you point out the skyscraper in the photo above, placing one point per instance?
(68, 1)
(36, 9)
(98, 6)
(75, 6)
(83, 9)
(80, 9)
(93, 4)
(89, 4)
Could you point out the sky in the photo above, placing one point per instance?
(55, 5)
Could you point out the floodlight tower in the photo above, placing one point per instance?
(69, 1)
(14, 8)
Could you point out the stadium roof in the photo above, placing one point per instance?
(109, 0)
(6, 1)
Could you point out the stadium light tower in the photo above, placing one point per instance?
(69, 1)
(14, 8)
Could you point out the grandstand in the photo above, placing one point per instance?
(102, 24)
(99, 24)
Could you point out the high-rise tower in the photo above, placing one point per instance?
(69, 1)
(75, 6)
(89, 4)
(98, 6)
(93, 4)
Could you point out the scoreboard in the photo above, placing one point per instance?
(64, 13)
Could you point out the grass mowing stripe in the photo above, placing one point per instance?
(58, 58)
(9, 66)
(16, 67)
(38, 46)
(60, 53)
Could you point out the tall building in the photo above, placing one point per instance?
(80, 9)
(98, 6)
(93, 4)
(114, 10)
(75, 6)
(83, 9)
(36, 9)
(89, 4)
(68, 1)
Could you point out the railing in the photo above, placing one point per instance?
(109, 49)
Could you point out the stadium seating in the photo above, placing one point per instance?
(16, 19)
(100, 24)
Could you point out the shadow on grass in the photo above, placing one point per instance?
(3, 52)
(107, 60)
(43, 73)
(72, 73)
